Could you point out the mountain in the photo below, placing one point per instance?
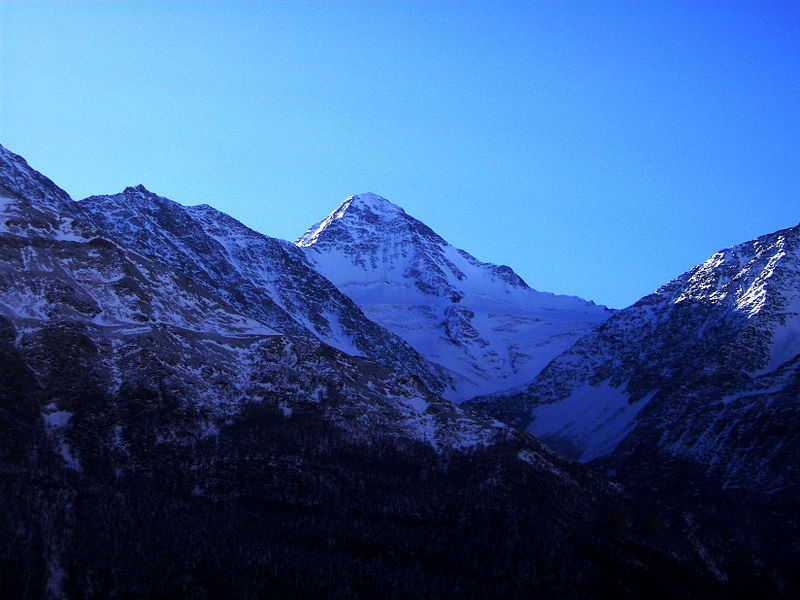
(481, 321)
(718, 343)
(264, 278)
(58, 266)
(698, 382)
(156, 440)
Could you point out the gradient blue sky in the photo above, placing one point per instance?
(598, 148)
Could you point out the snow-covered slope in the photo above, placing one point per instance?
(267, 279)
(61, 279)
(481, 321)
(706, 370)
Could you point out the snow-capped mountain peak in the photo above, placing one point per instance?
(364, 214)
(479, 320)
(742, 277)
(372, 202)
(140, 192)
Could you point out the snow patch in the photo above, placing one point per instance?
(418, 404)
(589, 423)
(57, 419)
(785, 343)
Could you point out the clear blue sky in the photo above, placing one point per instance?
(598, 148)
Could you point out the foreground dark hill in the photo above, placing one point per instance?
(692, 396)
(144, 492)
(157, 442)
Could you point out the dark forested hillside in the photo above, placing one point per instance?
(128, 499)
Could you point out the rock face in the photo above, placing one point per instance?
(480, 321)
(20, 181)
(698, 382)
(264, 278)
(159, 436)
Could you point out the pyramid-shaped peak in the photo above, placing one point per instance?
(359, 210)
(370, 199)
(371, 202)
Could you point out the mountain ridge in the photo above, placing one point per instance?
(266, 278)
(741, 302)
